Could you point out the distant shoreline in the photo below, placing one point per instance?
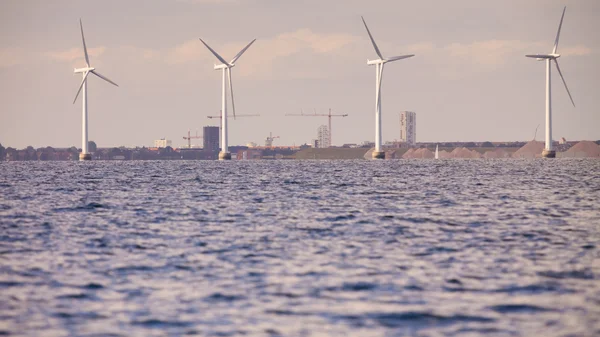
(531, 149)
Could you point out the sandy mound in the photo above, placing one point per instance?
(424, 153)
(583, 149)
(444, 154)
(408, 154)
(418, 154)
(463, 152)
(532, 149)
(497, 153)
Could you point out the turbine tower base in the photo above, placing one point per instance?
(85, 156)
(548, 154)
(378, 155)
(224, 156)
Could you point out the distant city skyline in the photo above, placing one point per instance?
(469, 80)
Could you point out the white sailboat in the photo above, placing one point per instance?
(437, 153)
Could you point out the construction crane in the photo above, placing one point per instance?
(189, 138)
(269, 140)
(321, 115)
(236, 116)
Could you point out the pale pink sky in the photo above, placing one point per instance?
(469, 80)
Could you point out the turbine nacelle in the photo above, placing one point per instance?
(550, 56)
(83, 70)
(386, 60)
(374, 62)
(542, 57)
(223, 66)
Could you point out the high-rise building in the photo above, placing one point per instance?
(162, 143)
(323, 136)
(211, 138)
(408, 127)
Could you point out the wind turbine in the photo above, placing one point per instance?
(226, 67)
(549, 148)
(379, 63)
(84, 155)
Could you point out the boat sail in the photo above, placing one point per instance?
(437, 154)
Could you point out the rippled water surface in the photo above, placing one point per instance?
(300, 248)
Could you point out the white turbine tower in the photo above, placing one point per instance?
(84, 155)
(549, 148)
(378, 153)
(226, 67)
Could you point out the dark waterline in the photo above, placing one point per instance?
(300, 248)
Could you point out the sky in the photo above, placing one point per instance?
(469, 80)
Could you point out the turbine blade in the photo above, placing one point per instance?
(87, 59)
(81, 85)
(104, 78)
(372, 40)
(540, 56)
(558, 33)
(564, 82)
(215, 53)
(241, 52)
(396, 58)
(231, 90)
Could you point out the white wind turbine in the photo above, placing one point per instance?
(226, 67)
(378, 153)
(84, 155)
(549, 148)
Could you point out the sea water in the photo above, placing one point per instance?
(300, 248)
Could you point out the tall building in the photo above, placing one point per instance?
(408, 127)
(162, 143)
(323, 136)
(211, 138)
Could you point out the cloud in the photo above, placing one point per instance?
(218, 2)
(493, 54)
(488, 54)
(12, 56)
(318, 43)
(303, 50)
(303, 54)
(189, 51)
(137, 53)
(579, 50)
(260, 59)
(420, 48)
(73, 54)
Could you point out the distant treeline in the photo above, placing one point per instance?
(122, 153)
(116, 153)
